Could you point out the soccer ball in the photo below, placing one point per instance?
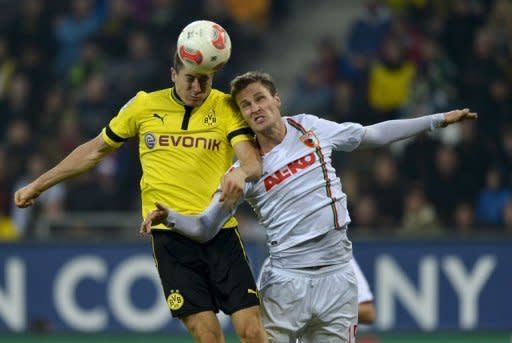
(204, 46)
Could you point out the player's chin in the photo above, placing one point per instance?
(195, 102)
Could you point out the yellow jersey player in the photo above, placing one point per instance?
(188, 136)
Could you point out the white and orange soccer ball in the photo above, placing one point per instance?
(204, 46)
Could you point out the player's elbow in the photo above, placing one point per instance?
(367, 313)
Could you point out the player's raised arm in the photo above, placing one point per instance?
(394, 130)
(201, 228)
(232, 184)
(83, 158)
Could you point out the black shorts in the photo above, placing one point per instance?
(209, 276)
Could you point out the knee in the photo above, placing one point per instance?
(253, 332)
(203, 331)
(205, 335)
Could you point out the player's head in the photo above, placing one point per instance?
(191, 87)
(256, 96)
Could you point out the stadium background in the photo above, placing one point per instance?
(432, 217)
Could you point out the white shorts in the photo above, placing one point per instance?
(317, 306)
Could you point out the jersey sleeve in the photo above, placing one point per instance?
(237, 129)
(124, 124)
(342, 136)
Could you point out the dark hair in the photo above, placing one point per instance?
(241, 82)
(177, 63)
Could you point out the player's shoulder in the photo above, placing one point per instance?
(303, 119)
(217, 96)
(222, 101)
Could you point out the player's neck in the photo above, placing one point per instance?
(271, 137)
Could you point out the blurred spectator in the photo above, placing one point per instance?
(465, 218)
(478, 70)
(311, 93)
(32, 26)
(367, 32)
(94, 191)
(492, 199)
(418, 157)
(117, 25)
(90, 62)
(252, 16)
(473, 155)
(500, 24)
(419, 216)
(71, 30)
(8, 230)
(18, 104)
(390, 81)
(459, 28)
(7, 66)
(446, 184)
(434, 88)
(386, 189)
(50, 204)
(137, 70)
(364, 215)
(94, 107)
(507, 217)
(347, 105)
(18, 146)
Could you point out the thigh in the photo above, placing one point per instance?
(285, 305)
(335, 308)
(230, 272)
(183, 270)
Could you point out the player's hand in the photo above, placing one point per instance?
(156, 217)
(25, 197)
(232, 186)
(458, 115)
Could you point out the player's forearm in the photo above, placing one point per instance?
(80, 160)
(202, 227)
(251, 168)
(250, 160)
(394, 130)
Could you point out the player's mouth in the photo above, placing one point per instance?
(259, 119)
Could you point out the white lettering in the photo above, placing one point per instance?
(392, 282)
(66, 282)
(119, 295)
(468, 285)
(12, 300)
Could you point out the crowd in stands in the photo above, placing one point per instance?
(66, 67)
(404, 58)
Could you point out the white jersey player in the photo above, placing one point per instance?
(308, 288)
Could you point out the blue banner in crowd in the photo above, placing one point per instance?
(91, 287)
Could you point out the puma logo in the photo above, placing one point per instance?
(252, 291)
(156, 115)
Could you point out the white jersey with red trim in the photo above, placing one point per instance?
(299, 197)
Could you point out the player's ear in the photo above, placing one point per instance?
(278, 99)
(173, 74)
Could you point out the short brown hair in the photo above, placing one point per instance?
(241, 82)
(177, 63)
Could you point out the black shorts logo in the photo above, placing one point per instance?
(150, 140)
(175, 300)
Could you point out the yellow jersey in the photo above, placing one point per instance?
(184, 151)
